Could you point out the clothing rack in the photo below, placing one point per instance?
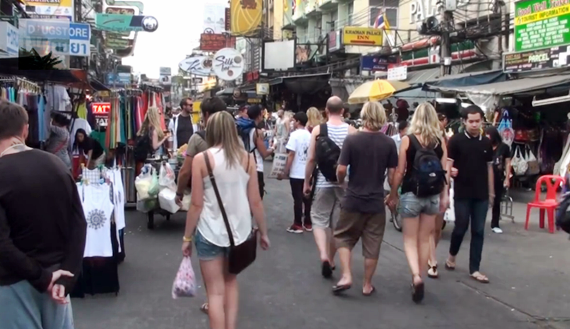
(23, 83)
(149, 87)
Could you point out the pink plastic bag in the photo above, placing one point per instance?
(185, 281)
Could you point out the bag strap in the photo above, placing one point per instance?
(323, 130)
(414, 140)
(218, 197)
(61, 146)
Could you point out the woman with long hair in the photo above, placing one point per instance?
(418, 212)
(315, 118)
(436, 236)
(58, 140)
(501, 171)
(235, 175)
(151, 127)
(90, 147)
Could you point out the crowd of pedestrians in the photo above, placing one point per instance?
(337, 177)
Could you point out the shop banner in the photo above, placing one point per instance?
(334, 41)
(118, 80)
(50, 9)
(57, 36)
(376, 63)
(228, 64)
(210, 41)
(125, 23)
(9, 40)
(245, 17)
(536, 60)
(362, 36)
(541, 24)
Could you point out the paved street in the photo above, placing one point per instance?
(529, 274)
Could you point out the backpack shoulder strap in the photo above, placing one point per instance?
(202, 134)
(323, 130)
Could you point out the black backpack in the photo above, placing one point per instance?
(243, 133)
(327, 154)
(142, 148)
(428, 176)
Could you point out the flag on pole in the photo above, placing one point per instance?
(381, 22)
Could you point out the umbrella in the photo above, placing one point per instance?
(376, 90)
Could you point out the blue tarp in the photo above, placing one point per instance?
(467, 79)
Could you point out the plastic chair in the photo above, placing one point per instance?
(549, 204)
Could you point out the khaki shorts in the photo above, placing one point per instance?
(353, 226)
(326, 206)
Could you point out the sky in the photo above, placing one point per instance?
(180, 23)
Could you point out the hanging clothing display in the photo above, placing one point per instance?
(98, 209)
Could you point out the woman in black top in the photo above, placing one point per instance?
(90, 147)
(419, 211)
(501, 171)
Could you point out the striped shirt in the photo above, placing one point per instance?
(337, 134)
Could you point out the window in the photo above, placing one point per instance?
(333, 20)
(350, 12)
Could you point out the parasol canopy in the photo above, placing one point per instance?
(376, 90)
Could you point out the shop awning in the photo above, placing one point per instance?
(467, 79)
(97, 85)
(509, 87)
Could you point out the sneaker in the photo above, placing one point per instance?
(308, 227)
(295, 229)
(497, 230)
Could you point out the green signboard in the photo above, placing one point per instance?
(125, 23)
(541, 24)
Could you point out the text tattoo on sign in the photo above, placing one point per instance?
(101, 112)
(541, 24)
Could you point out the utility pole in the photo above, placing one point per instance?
(445, 44)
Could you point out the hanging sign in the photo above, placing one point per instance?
(541, 24)
(362, 36)
(536, 60)
(228, 64)
(125, 23)
(57, 36)
(50, 8)
(101, 113)
(210, 41)
(198, 65)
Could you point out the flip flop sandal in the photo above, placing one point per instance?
(449, 266)
(370, 293)
(432, 271)
(418, 292)
(337, 289)
(204, 308)
(326, 270)
(481, 278)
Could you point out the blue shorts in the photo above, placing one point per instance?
(412, 206)
(207, 250)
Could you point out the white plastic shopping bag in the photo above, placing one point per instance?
(142, 184)
(167, 200)
(185, 202)
(185, 282)
(279, 162)
(167, 177)
(450, 212)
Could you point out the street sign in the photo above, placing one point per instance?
(58, 36)
(541, 24)
(536, 60)
(125, 23)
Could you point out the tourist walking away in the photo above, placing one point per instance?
(324, 151)
(436, 236)
(90, 147)
(181, 127)
(363, 216)
(314, 118)
(150, 138)
(41, 246)
(281, 131)
(252, 139)
(224, 197)
(58, 140)
(197, 144)
(501, 174)
(471, 154)
(402, 131)
(297, 148)
(421, 163)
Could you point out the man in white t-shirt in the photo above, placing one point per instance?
(297, 148)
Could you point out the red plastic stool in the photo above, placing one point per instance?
(549, 204)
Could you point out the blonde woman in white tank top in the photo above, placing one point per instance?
(235, 173)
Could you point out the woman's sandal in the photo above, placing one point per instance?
(417, 292)
(204, 308)
(479, 277)
(449, 265)
(432, 271)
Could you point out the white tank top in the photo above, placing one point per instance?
(232, 184)
(337, 134)
(98, 209)
(258, 158)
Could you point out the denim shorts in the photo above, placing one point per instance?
(412, 206)
(207, 250)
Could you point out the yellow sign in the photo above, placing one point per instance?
(196, 111)
(50, 7)
(245, 16)
(542, 15)
(362, 36)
